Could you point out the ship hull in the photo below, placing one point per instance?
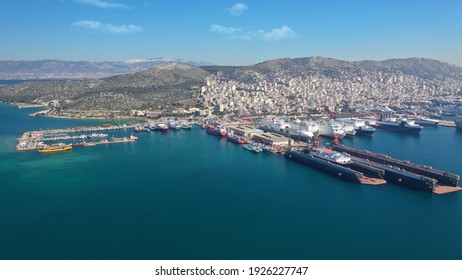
(236, 140)
(363, 132)
(399, 128)
(52, 150)
(325, 166)
(297, 136)
(214, 132)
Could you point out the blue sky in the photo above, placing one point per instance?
(230, 32)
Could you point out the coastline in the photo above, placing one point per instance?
(43, 114)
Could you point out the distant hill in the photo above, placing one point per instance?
(163, 84)
(419, 67)
(61, 69)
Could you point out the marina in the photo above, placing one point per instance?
(33, 140)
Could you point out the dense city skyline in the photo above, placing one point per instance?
(230, 32)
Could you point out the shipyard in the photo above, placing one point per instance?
(294, 138)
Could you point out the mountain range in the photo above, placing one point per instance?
(62, 69)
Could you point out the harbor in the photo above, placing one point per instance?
(347, 163)
(208, 184)
(356, 165)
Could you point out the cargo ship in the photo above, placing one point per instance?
(59, 148)
(415, 175)
(402, 125)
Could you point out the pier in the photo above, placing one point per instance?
(446, 123)
(33, 140)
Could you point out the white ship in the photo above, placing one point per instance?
(329, 128)
(296, 129)
(359, 125)
(400, 125)
(426, 121)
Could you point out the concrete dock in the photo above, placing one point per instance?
(33, 140)
(446, 123)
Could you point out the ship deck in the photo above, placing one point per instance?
(445, 189)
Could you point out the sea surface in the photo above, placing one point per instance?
(190, 195)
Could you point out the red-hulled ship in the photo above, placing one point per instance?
(236, 139)
(215, 130)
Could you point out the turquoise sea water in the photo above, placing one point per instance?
(189, 195)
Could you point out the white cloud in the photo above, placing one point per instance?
(103, 4)
(278, 34)
(107, 27)
(237, 9)
(223, 29)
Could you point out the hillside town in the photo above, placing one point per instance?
(282, 94)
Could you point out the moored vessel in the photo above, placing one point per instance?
(186, 126)
(161, 127)
(359, 125)
(57, 148)
(426, 121)
(399, 125)
(215, 130)
(330, 128)
(236, 139)
(253, 148)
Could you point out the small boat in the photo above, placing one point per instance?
(253, 148)
(80, 144)
(173, 125)
(186, 126)
(161, 127)
(270, 149)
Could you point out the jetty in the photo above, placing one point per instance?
(33, 140)
(447, 123)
